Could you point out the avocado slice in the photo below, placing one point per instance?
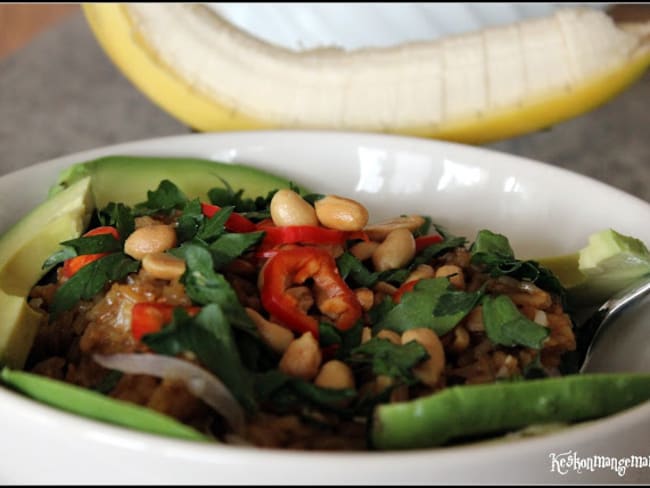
(126, 179)
(23, 249)
(65, 214)
(610, 262)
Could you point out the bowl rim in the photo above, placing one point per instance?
(591, 428)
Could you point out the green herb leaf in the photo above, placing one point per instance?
(350, 267)
(505, 325)
(328, 334)
(91, 279)
(214, 227)
(386, 358)
(490, 245)
(430, 252)
(285, 393)
(208, 335)
(494, 252)
(163, 199)
(94, 244)
(433, 303)
(232, 245)
(190, 220)
(119, 216)
(257, 208)
(58, 257)
(203, 285)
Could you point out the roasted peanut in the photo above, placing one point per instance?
(474, 320)
(461, 339)
(430, 370)
(275, 336)
(366, 334)
(399, 393)
(390, 335)
(366, 298)
(422, 271)
(163, 266)
(335, 374)
(150, 239)
(379, 231)
(302, 358)
(363, 250)
(455, 274)
(396, 251)
(341, 213)
(289, 208)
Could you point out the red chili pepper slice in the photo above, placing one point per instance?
(303, 234)
(235, 223)
(423, 242)
(72, 265)
(406, 287)
(333, 296)
(148, 317)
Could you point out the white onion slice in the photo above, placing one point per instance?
(198, 381)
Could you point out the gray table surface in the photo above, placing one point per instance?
(60, 94)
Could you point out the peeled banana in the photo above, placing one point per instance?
(475, 88)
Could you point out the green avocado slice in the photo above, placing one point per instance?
(126, 179)
(608, 263)
(23, 249)
(65, 214)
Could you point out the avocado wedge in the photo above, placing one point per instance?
(608, 263)
(65, 214)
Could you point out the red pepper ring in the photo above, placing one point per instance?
(423, 242)
(332, 295)
(235, 222)
(303, 234)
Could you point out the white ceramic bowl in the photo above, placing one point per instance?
(542, 209)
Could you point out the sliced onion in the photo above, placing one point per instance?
(198, 381)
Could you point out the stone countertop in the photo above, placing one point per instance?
(60, 94)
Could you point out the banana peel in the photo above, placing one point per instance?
(133, 52)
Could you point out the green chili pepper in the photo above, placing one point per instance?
(97, 406)
(461, 412)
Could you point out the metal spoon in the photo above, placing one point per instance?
(593, 328)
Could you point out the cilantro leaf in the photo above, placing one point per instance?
(91, 279)
(209, 335)
(489, 245)
(430, 252)
(285, 393)
(163, 199)
(505, 324)
(58, 257)
(232, 245)
(94, 244)
(190, 220)
(345, 339)
(494, 252)
(119, 216)
(433, 303)
(386, 358)
(350, 267)
(214, 227)
(204, 286)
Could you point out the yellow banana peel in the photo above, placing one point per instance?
(131, 52)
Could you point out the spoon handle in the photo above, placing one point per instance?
(594, 327)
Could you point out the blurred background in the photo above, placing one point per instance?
(59, 94)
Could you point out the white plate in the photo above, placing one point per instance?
(542, 209)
